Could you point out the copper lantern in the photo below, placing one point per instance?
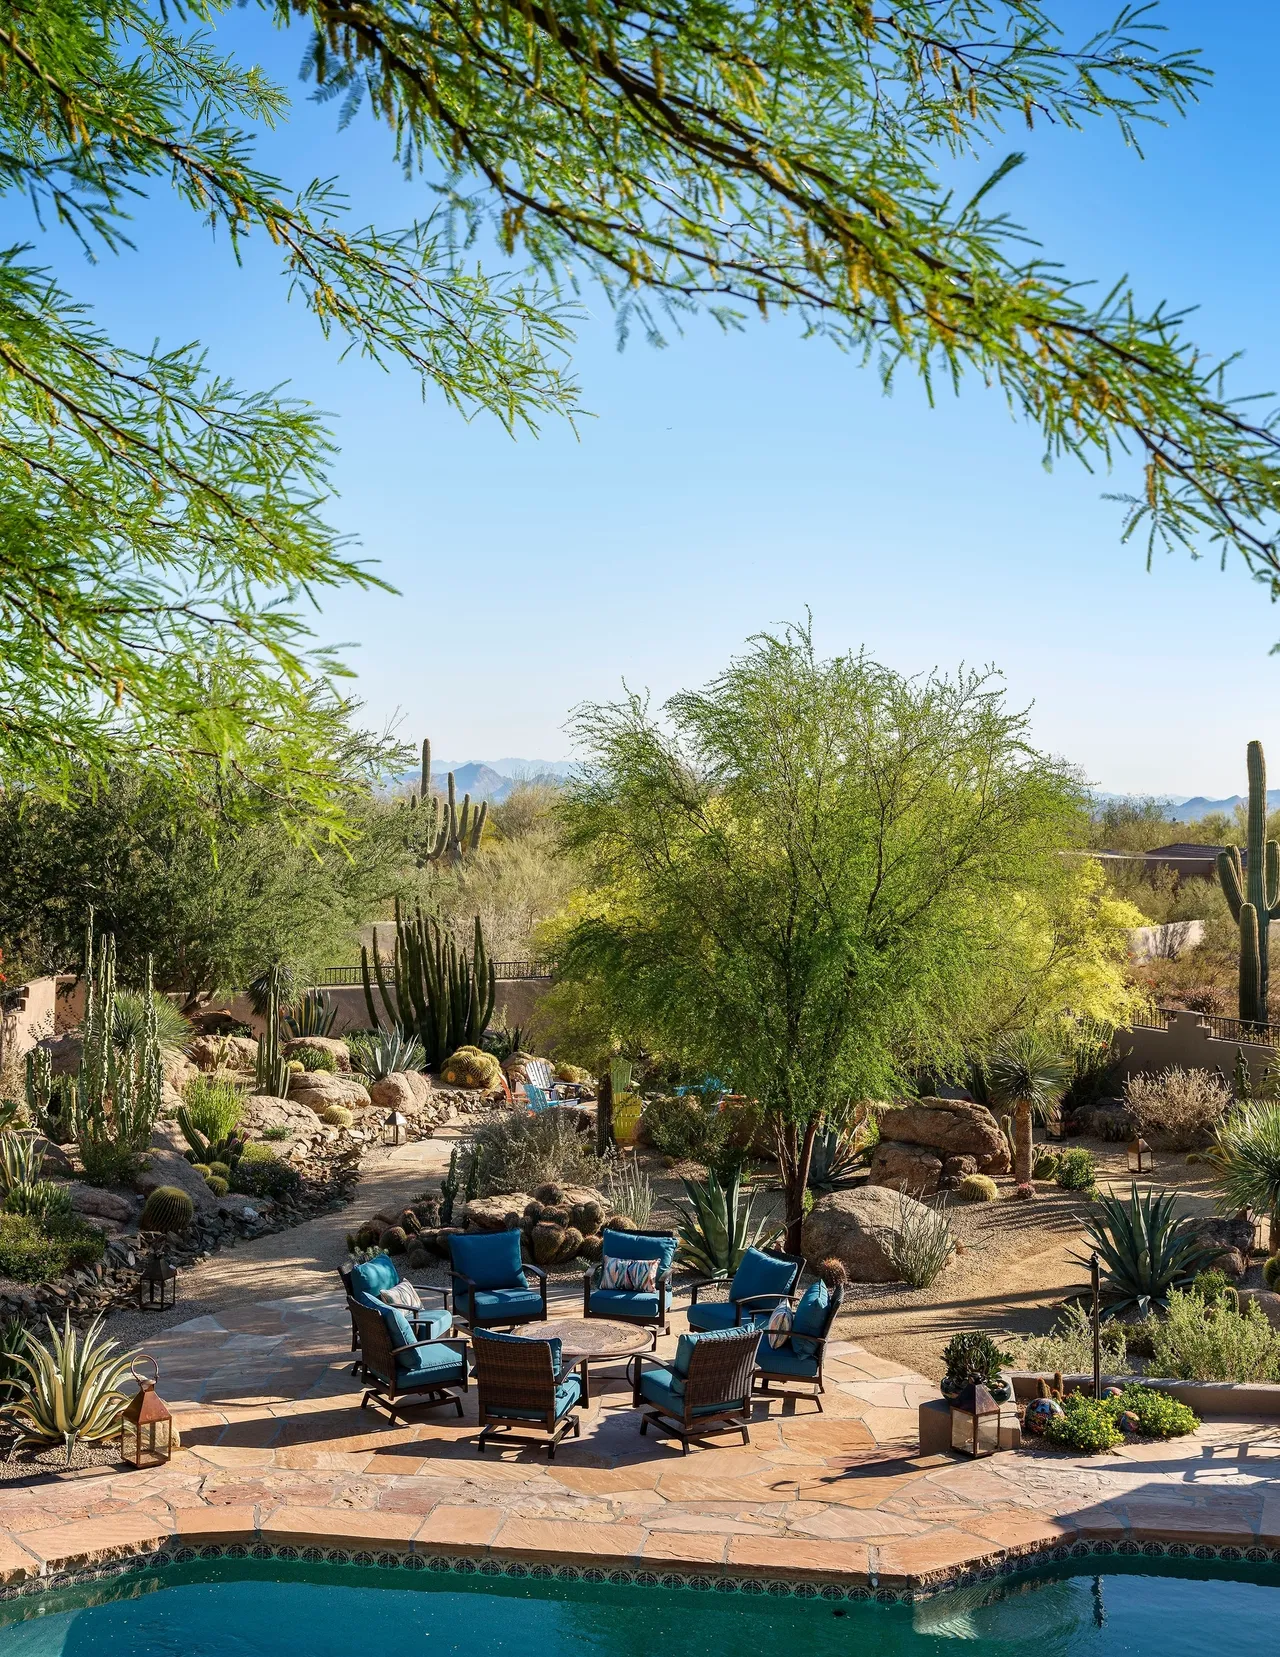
(1141, 1160)
(157, 1284)
(975, 1421)
(146, 1427)
(395, 1129)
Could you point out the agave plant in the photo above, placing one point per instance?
(69, 1390)
(21, 1159)
(15, 1338)
(719, 1226)
(380, 1052)
(313, 1015)
(1246, 1159)
(837, 1157)
(1146, 1250)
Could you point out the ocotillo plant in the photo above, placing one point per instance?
(1253, 894)
(271, 1073)
(437, 993)
(444, 834)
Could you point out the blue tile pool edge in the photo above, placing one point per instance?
(720, 1582)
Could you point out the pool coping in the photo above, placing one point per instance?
(100, 1552)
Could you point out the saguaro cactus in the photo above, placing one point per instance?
(1253, 893)
(442, 833)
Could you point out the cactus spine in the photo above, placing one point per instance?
(443, 834)
(437, 992)
(272, 1068)
(1252, 890)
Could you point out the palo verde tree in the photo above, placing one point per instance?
(799, 877)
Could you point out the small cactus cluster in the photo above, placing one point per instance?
(1024, 1193)
(1271, 1271)
(337, 1116)
(218, 1185)
(414, 1231)
(312, 1059)
(470, 1067)
(168, 1208)
(557, 1231)
(1045, 1166)
(832, 1272)
(977, 1188)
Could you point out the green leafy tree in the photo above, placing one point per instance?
(799, 877)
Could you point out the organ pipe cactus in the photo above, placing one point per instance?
(272, 1068)
(119, 1092)
(1252, 889)
(437, 991)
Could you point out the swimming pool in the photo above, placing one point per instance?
(274, 1608)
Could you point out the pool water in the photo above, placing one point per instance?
(272, 1608)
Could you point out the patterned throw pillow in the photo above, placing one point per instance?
(403, 1295)
(638, 1276)
(613, 1273)
(780, 1321)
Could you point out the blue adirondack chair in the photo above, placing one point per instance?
(538, 1098)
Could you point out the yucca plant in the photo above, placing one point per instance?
(1028, 1075)
(630, 1191)
(70, 1389)
(130, 1021)
(1246, 1160)
(21, 1159)
(719, 1226)
(313, 1015)
(379, 1053)
(1146, 1250)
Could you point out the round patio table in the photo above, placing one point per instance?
(592, 1340)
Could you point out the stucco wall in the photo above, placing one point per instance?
(28, 1015)
(1188, 1041)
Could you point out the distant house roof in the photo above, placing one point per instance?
(1184, 857)
(1187, 848)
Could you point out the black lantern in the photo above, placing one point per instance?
(975, 1421)
(395, 1129)
(157, 1284)
(1141, 1160)
(1055, 1130)
(146, 1427)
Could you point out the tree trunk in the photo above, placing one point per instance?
(795, 1179)
(604, 1115)
(1022, 1145)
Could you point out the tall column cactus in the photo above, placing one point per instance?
(271, 1073)
(443, 833)
(1253, 894)
(437, 992)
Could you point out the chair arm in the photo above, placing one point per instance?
(704, 1282)
(536, 1270)
(431, 1289)
(745, 1300)
(463, 1278)
(412, 1346)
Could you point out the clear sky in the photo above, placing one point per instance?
(726, 482)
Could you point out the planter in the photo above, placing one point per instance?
(1236, 1398)
(1001, 1390)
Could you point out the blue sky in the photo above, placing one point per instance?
(727, 482)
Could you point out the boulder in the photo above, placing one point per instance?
(954, 1169)
(223, 1052)
(1269, 1303)
(1106, 1119)
(326, 1044)
(178, 1070)
(55, 1163)
(319, 1089)
(501, 1213)
(264, 1110)
(1231, 1239)
(101, 1205)
(419, 1085)
(169, 1167)
(64, 1053)
(949, 1127)
(911, 1168)
(853, 1227)
(394, 1092)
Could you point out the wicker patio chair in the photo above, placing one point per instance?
(491, 1281)
(363, 1279)
(426, 1372)
(632, 1305)
(800, 1360)
(523, 1383)
(706, 1389)
(763, 1278)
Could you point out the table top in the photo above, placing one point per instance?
(593, 1337)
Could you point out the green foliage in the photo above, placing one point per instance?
(168, 1208)
(1095, 1061)
(1215, 1289)
(718, 1225)
(380, 1053)
(838, 1154)
(1159, 1416)
(449, 1188)
(1199, 1342)
(1246, 1160)
(1077, 1169)
(271, 1076)
(630, 1192)
(1068, 1346)
(314, 1015)
(37, 1251)
(1147, 1252)
(920, 1244)
(1028, 1073)
(21, 1159)
(72, 1387)
(974, 1356)
(277, 1133)
(42, 1199)
(437, 832)
(131, 1017)
(119, 1092)
(315, 1058)
(977, 1188)
(50, 1100)
(259, 1172)
(686, 1127)
(15, 1340)
(1252, 890)
(437, 991)
(1271, 1271)
(209, 1114)
(1086, 1425)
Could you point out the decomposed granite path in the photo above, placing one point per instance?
(276, 1452)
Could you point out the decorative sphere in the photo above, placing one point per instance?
(1129, 1423)
(1040, 1412)
(1111, 1392)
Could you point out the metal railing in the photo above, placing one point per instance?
(1222, 1029)
(349, 977)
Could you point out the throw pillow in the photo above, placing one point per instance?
(780, 1321)
(403, 1295)
(613, 1273)
(641, 1276)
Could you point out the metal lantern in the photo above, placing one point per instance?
(1055, 1130)
(146, 1427)
(395, 1130)
(975, 1421)
(157, 1284)
(1141, 1160)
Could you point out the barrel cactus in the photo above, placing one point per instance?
(470, 1067)
(572, 1073)
(592, 1248)
(217, 1185)
(167, 1209)
(337, 1116)
(368, 1236)
(553, 1244)
(221, 1169)
(1271, 1271)
(550, 1194)
(977, 1188)
(587, 1216)
(394, 1240)
(204, 1169)
(620, 1222)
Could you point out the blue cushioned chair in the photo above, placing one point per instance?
(763, 1278)
(800, 1359)
(523, 1382)
(398, 1366)
(632, 1305)
(705, 1390)
(364, 1279)
(490, 1281)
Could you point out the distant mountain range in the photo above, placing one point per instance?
(493, 779)
(1197, 806)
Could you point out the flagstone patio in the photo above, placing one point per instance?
(277, 1450)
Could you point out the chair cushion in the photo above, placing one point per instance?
(398, 1327)
(713, 1314)
(568, 1393)
(507, 1305)
(656, 1389)
(623, 1303)
(810, 1318)
(638, 1245)
(370, 1277)
(401, 1294)
(491, 1259)
(780, 1321)
(783, 1361)
(431, 1322)
(759, 1273)
(430, 1365)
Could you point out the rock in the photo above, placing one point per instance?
(394, 1092)
(1233, 1239)
(956, 1167)
(501, 1213)
(911, 1168)
(64, 1053)
(263, 1111)
(178, 1070)
(853, 1226)
(326, 1044)
(169, 1167)
(223, 1052)
(102, 1205)
(1106, 1119)
(55, 1163)
(950, 1127)
(420, 1086)
(1270, 1304)
(317, 1088)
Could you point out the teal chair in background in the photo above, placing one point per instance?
(763, 1278)
(490, 1281)
(798, 1360)
(641, 1306)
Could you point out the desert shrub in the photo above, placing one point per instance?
(686, 1128)
(129, 1021)
(974, 1356)
(40, 1200)
(920, 1244)
(259, 1172)
(283, 1131)
(34, 1251)
(213, 1106)
(315, 1058)
(1086, 1425)
(1195, 1342)
(1180, 1109)
(1077, 1170)
(1271, 1271)
(977, 1188)
(630, 1192)
(1215, 1288)
(1158, 1415)
(1095, 1063)
(1069, 1346)
(518, 1152)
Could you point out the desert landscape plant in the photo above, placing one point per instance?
(1068, 1346)
(718, 1224)
(630, 1191)
(380, 1053)
(517, 1151)
(1178, 1109)
(1086, 1425)
(1196, 1342)
(1147, 1251)
(1027, 1073)
(920, 1244)
(1076, 1169)
(1245, 1157)
(71, 1388)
